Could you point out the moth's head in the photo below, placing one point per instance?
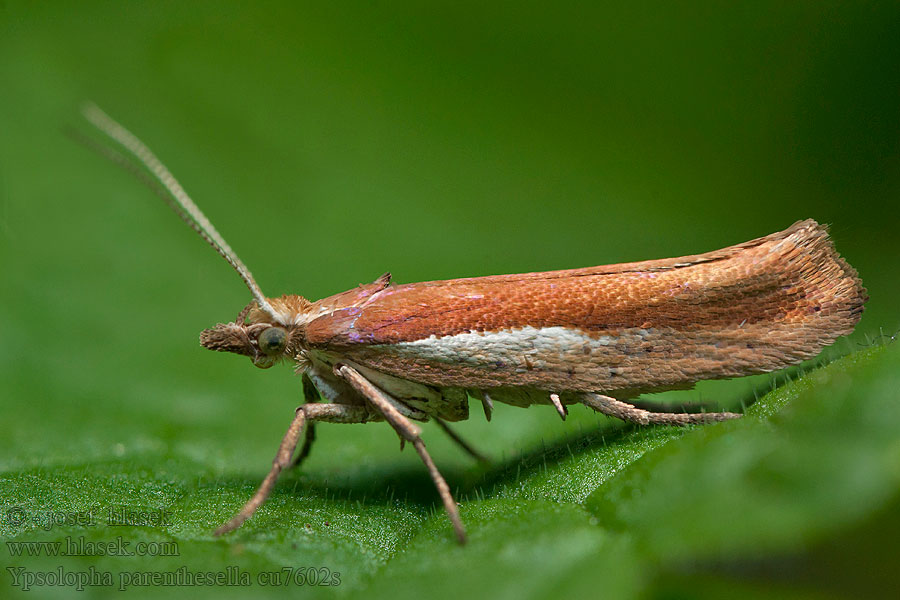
(259, 335)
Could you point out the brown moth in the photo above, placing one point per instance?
(597, 336)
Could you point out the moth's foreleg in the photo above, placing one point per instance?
(308, 413)
(408, 431)
(628, 412)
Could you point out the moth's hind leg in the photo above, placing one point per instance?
(408, 431)
(305, 415)
(471, 451)
(628, 412)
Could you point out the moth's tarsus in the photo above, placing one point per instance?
(305, 414)
(628, 412)
(409, 431)
(308, 413)
(450, 505)
(281, 462)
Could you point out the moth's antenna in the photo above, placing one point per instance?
(173, 194)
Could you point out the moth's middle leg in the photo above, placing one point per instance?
(408, 431)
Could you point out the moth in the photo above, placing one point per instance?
(596, 336)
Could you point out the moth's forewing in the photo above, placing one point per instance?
(750, 308)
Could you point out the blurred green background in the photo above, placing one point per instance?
(332, 142)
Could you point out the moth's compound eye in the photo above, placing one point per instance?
(272, 340)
